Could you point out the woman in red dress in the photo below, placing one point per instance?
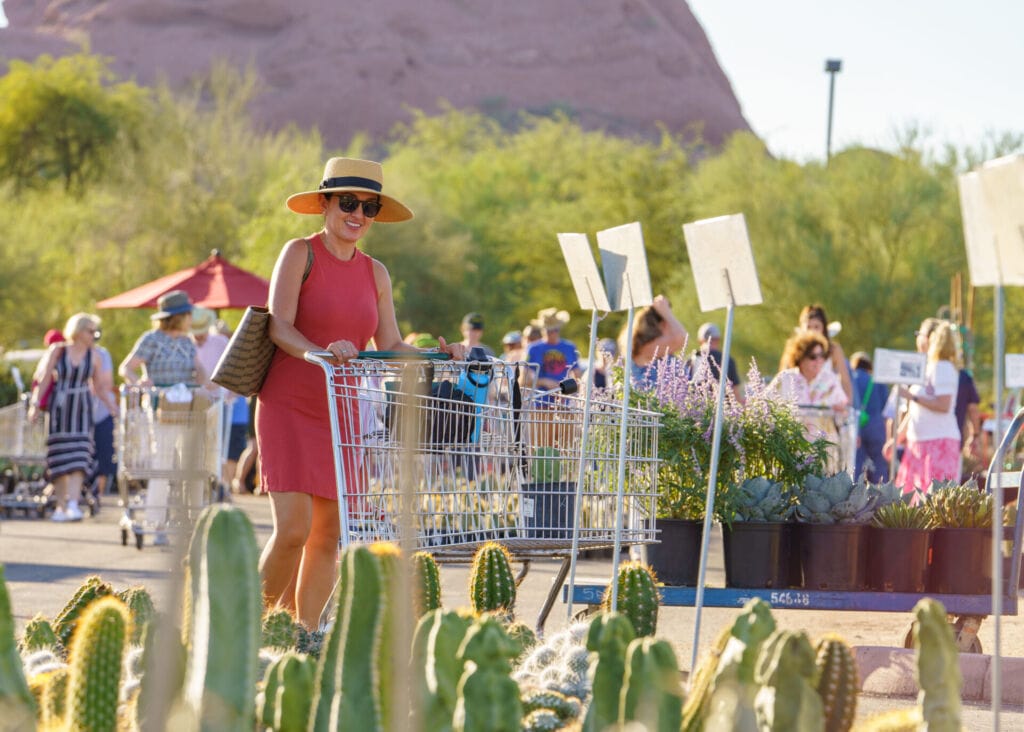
(343, 302)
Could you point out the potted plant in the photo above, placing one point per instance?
(548, 504)
(757, 541)
(962, 544)
(900, 546)
(833, 513)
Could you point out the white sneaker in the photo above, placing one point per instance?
(74, 513)
(59, 516)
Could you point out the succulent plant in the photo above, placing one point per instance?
(16, 699)
(546, 465)
(652, 693)
(560, 664)
(97, 656)
(837, 682)
(39, 635)
(487, 698)
(638, 597)
(886, 493)
(760, 499)
(960, 506)
(900, 515)
(492, 586)
(834, 500)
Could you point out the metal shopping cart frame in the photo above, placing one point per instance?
(508, 474)
(179, 442)
(23, 444)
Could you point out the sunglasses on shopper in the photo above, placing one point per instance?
(817, 356)
(349, 203)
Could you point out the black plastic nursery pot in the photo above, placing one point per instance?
(898, 559)
(676, 559)
(961, 562)
(548, 509)
(833, 557)
(757, 554)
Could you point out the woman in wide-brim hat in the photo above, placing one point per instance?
(325, 295)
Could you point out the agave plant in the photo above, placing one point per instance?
(760, 499)
(901, 515)
(960, 506)
(888, 493)
(834, 500)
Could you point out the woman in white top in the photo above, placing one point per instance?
(929, 427)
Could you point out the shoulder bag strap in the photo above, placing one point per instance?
(309, 260)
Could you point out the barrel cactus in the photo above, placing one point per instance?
(427, 585)
(278, 629)
(837, 682)
(97, 658)
(492, 586)
(638, 597)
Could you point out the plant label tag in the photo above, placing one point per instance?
(1014, 371)
(721, 245)
(899, 367)
(586, 280)
(993, 220)
(624, 261)
(527, 506)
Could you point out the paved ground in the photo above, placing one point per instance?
(45, 562)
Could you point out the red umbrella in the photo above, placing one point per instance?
(214, 284)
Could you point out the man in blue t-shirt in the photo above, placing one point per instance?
(552, 359)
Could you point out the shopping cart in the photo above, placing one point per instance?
(174, 447)
(458, 455)
(839, 427)
(23, 446)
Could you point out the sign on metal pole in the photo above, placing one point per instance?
(1015, 370)
(624, 261)
(586, 280)
(717, 245)
(898, 367)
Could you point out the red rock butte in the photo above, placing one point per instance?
(623, 66)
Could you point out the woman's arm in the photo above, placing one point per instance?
(672, 337)
(133, 369)
(839, 366)
(45, 376)
(103, 383)
(285, 284)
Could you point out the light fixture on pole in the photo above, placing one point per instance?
(832, 66)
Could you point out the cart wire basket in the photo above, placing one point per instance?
(482, 459)
(23, 445)
(175, 447)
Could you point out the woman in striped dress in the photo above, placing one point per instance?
(74, 368)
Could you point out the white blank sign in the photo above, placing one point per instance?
(1014, 370)
(722, 245)
(898, 367)
(992, 208)
(586, 280)
(624, 262)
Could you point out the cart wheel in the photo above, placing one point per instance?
(41, 512)
(138, 541)
(124, 537)
(908, 639)
(586, 613)
(965, 629)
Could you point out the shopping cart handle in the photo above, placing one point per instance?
(568, 386)
(384, 355)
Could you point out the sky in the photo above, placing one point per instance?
(951, 68)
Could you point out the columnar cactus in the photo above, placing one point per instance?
(16, 701)
(224, 623)
(492, 586)
(287, 693)
(938, 667)
(155, 689)
(278, 629)
(638, 597)
(347, 685)
(38, 635)
(487, 698)
(427, 587)
(97, 657)
(523, 636)
(53, 696)
(65, 622)
(140, 605)
(609, 637)
(393, 581)
(652, 692)
(787, 700)
(439, 635)
(837, 682)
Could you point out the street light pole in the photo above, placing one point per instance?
(832, 66)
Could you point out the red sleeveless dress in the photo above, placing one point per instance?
(337, 301)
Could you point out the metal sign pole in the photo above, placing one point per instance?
(997, 515)
(716, 447)
(622, 461)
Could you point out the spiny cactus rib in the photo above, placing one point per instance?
(392, 578)
(492, 586)
(541, 720)
(54, 697)
(638, 597)
(140, 605)
(652, 692)
(287, 693)
(487, 697)
(837, 682)
(609, 637)
(39, 634)
(169, 676)
(938, 667)
(220, 674)
(427, 595)
(66, 621)
(438, 637)
(16, 699)
(787, 700)
(97, 657)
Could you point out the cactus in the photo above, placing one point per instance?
(16, 701)
(546, 466)
(51, 690)
(760, 499)
(523, 636)
(938, 667)
(492, 587)
(835, 500)
(787, 700)
(39, 634)
(487, 699)
(638, 597)
(541, 720)
(287, 692)
(837, 682)
(278, 629)
(64, 624)
(564, 707)
(439, 635)
(651, 689)
(224, 622)
(561, 664)
(97, 658)
(347, 686)
(160, 635)
(609, 637)
(309, 642)
(140, 606)
(427, 592)
(393, 581)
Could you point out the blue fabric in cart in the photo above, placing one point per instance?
(474, 383)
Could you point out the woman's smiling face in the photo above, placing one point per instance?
(347, 226)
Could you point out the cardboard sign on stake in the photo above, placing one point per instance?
(586, 279)
(722, 245)
(898, 367)
(625, 266)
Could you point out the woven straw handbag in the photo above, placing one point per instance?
(244, 364)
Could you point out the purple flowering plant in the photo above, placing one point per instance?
(761, 436)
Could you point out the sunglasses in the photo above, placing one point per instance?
(819, 356)
(349, 203)
(96, 334)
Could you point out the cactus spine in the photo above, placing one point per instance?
(609, 636)
(224, 624)
(287, 693)
(97, 656)
(652, 692)
(65, 622)
(348, 675)
(938, 667)
(427, 593)
(638, 597)
(492, 586)
(487, 697)
(16, 700)
(837, 682)
(787, 700)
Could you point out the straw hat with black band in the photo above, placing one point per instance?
(351, 175)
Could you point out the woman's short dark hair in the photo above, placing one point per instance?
(799, 346)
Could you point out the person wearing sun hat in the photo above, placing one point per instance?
(552, 358)
(325, 295)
